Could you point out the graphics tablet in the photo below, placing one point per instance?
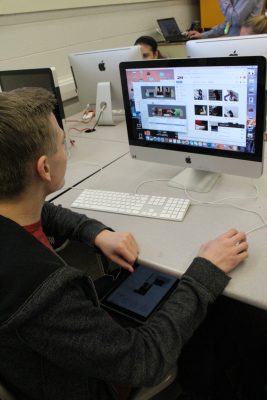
(137, 295)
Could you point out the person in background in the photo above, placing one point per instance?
(254, 26)
(56, 342)
(149, 48)
(236, 12)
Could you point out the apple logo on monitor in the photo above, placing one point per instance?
(188, 160)
(233, 54)
(101, 66)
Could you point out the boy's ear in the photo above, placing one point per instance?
(43, 168)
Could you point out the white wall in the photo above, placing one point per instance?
(46, 38)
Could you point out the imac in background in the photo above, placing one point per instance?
(205, 114)
(97, 79)
(233, 46)
(38, 77)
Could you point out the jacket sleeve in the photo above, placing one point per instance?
(61, 222)
(77, 335)
(238, 12)
(217, 31)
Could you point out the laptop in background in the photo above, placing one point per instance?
(170, 30)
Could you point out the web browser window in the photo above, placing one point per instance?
(212, 107)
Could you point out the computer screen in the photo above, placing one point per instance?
(206, 114)
(252, 45)
(37, 77)
(97, 78)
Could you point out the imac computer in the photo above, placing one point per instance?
(38, 77)
(252, 45)
(206, 115)
(97, 79)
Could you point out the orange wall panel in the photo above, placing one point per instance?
(210, 13)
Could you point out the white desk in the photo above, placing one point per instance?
(88, 156)
(117, 133)
(171, 246)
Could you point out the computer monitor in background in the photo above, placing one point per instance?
(253, 45)
(97, 79)
(36, 77)
(205, 114)
(232, 46)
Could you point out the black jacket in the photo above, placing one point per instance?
(55, 341)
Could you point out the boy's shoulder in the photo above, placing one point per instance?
(25, 265)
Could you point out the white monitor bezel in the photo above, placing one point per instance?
(229, 46)
(86, 72)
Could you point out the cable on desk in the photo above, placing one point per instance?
(104, 106)
(221, 202)
(99, 176)
(257, 228)
(85, 121)
(77, 129)
(85, 116)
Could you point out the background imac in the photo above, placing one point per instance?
(253, 45)
(97, 78)
(38, 77)
(206, 114)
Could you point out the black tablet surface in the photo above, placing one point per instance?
(138, 294)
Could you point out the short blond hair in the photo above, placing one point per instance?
(25, 134)
(258, 24)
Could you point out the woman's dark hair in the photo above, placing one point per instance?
(149, 41)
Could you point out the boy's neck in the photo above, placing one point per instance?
(25, 210)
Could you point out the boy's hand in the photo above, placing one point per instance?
(227, 250)
(120, 247)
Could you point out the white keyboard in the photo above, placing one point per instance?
(170, 208)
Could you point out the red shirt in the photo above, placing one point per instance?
(123, 391)
(37, 231)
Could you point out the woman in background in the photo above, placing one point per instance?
(235, 13)
(149, 48)
(254, 26)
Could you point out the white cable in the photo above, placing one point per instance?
(98, 173)
(220, 202)
(104, 106)
(150, 180)
(256, 229)
(201, 201)
(114, 278)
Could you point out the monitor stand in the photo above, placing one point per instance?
(194, 180)
(103, 99)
